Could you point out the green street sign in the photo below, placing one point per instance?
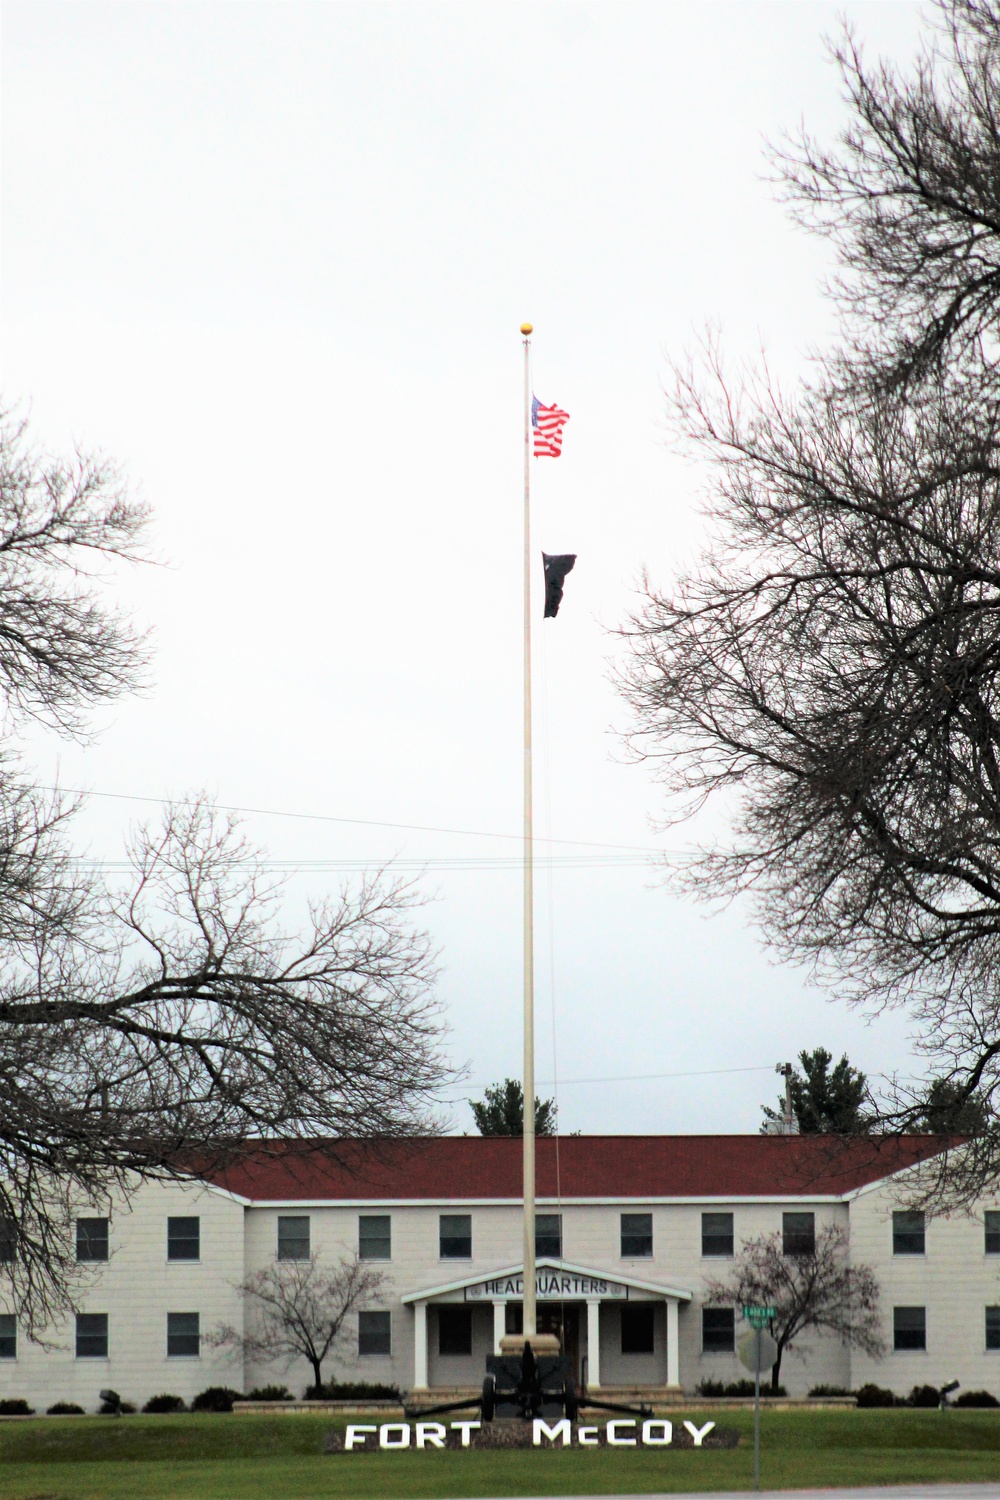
(759, 1317)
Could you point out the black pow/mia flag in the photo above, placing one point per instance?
(556, 569)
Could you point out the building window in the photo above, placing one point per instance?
(454, 1330)
(183, 1335)
(8, 1241)
(8, 1336)
(374, 1333)
(184, 1239)
(548, 1235)
(91, 1335)
(375, 1237)
(909, 1328)
(907, 1233)
(717, 1330)
(91, 1239)
(637, 1236)
(798, 1234)
(637, 1328)
(293, 1236)
(456, 1236)
(992, 1217)
(993, 1328)
(716, 1234)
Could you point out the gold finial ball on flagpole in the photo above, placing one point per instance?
(526, 329)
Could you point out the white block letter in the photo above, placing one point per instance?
(465, 1428)
(666, 1434)
(385, 1441)
(430, 1433)
(614, 1441)
(699, 1432)
(587, 1437)
(542, 1429)
(355, 1435)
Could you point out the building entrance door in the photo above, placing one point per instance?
(560, 1318)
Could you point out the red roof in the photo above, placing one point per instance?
(589, 1166)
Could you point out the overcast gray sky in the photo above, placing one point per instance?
(274, 256)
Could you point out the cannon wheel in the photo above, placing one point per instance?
(570, 1400)
(489, 1398)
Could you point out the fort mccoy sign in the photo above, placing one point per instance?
(623, 1432)
(549, 1286)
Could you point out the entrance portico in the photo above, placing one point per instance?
(556, 1282)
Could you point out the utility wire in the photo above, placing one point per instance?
(643, 1077)
(430, 863)
(277, 812)
(637, 1078)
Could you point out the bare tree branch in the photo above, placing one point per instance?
(61, 521)
(910, 197)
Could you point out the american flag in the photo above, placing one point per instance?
(548, 423)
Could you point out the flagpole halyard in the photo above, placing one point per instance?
(530, 1311)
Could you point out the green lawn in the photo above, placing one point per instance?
(281, 1458)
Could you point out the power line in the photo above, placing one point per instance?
(277, 812)
(636, 1078)
(431, 863)
(644, 1077)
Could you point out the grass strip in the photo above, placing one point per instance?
(280, 1458)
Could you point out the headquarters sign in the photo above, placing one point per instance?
(551, 1286)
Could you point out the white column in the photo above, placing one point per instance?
(673, 1353)
(420, 1346)
(593, 1345)
(499, 1324)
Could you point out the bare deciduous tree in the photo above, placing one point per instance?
(151, 1030)
(830, 667)
(166, 1025)
(299, 1310)
(833, 667)
(816, 1292)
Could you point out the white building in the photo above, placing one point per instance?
(629, 1229)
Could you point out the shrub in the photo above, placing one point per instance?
(216, 1398)
(975, 1398)
(736, 1388)
(830, 1390)
(876, 1395)
(924, 1395)
(16, 1406)
(65, 1409)
(351, 1390)
(269, 1393)
(165, 1403)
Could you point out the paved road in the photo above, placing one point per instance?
(876, 1492)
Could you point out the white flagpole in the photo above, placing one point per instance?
(529, 901)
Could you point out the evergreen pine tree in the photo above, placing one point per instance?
(825, 1101)
(501, 1111)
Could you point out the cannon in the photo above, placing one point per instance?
(521, 1385)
